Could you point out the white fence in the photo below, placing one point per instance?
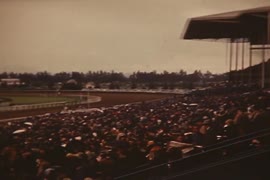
(91, 99)
(162, 91)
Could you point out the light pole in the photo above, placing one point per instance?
(88, 98)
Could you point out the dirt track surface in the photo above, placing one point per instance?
(108, 99)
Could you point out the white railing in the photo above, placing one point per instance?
(91, 99)
(162, 91)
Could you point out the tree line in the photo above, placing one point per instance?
(113, 80)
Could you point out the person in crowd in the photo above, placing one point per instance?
(103, 144)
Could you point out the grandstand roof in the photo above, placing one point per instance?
(250, 24)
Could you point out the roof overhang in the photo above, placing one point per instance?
(251, 25)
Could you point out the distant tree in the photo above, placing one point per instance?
(182, 73)
(27, 78)
(133, 85)
(44, 79)
(3, 85)
(188, 85)
(78, 76)
(152, 85)
(171, 85)
(195, 76)
(13, 75)
(62, 77)
(112, 86)
(133, 77)
(97, 85)
(4, 75)
(208, 73)
(165, 85)
(72, 85)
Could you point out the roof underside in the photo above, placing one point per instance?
(251, 24)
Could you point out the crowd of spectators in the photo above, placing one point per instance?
(104, 143)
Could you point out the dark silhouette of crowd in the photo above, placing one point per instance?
(105, 143)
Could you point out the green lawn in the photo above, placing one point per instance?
(18, 100)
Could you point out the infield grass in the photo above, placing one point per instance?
(19, 100)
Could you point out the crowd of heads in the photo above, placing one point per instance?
(102, 144)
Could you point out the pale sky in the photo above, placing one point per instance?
(119, 35)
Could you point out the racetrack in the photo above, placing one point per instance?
(38, 99)
(108, 99)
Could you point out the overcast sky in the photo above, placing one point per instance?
(120, 35)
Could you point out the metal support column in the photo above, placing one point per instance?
(250, 64)
(263, 67)
(236, 56)
(268, 42)
(243, 59)
(236, 62)
(230, 63)
(268, 29)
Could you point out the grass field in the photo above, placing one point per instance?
(19, 100)
(108, 99)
